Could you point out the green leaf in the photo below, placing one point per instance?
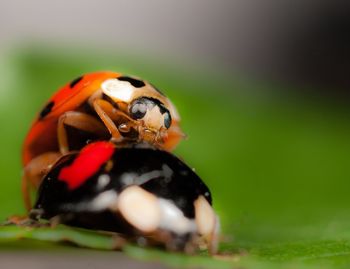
(79, 237)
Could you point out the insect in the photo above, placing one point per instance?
(97, 106)
(147, 195)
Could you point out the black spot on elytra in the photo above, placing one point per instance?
(46, 110)
(75, 81)
(134, 82)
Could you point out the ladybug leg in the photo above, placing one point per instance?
(16, 220)
(33, 173)
(208, 224)
(214, 238)
(110, 116)
(79, 121)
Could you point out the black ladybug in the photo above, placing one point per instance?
(139, 192)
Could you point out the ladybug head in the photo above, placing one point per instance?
(152, 114)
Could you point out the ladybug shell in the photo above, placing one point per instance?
(88, 190)
(73, 97)
(68, 98)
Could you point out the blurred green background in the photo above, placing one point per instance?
(263, 91)
(277, 164)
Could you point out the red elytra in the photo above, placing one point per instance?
(68, 98)
(88, 162)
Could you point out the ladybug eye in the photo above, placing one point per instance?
(167, 120)
(138, 110)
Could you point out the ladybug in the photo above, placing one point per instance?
(146, 194)
(97, 106)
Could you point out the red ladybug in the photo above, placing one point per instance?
(97, 106)
(147, 195)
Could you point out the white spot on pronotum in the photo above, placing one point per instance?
(205, 216)
(118, 90)
(140, 208)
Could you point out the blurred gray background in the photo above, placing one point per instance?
(303, 42)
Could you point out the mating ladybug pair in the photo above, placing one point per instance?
(99, 156)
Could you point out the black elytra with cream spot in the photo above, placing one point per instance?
(156, 171)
